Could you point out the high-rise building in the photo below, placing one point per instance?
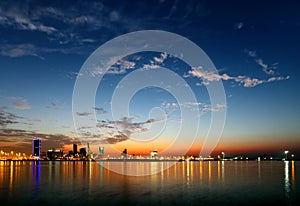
(124, 153)
(153, 154)
(54, 154)
(101, 151)
(36, 147)
(75, 149)
(82, 152)
(89, 150)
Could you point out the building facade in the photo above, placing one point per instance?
(36, 147)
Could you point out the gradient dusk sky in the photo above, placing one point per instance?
(253, 44)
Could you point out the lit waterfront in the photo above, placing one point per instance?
(198, 183)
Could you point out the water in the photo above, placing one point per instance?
(185, 183)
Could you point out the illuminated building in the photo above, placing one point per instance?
(153, 154)
(101, 151)
(53, 154)
(36, 147)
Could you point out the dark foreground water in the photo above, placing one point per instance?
(186, 183)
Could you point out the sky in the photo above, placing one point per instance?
(254, 46)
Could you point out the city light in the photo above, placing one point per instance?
(286, 152)
(223, 155)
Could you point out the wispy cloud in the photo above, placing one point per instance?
(114, 131)
(21, 105)
(238, 25)
(57, 104)
(17, 19)
(84, 114)
(100, 110)
(201, 107)
(19, 50)
(119, 66)
(126, 125)
(156, 62)
(268, 69)
(25, 136)
(7, 118)
(19, 102)
(245, 81)
(63, 25)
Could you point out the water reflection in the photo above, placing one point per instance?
(11, 177)
(286, 178)
(289, 177)
(293, 174)
(258, 166)
(184, 182)
(223, 171)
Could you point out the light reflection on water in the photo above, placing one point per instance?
(195, 183)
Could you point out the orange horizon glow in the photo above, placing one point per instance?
(230, 147)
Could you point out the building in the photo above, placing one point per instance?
(101, 151)
(75, 149)
(54, 154)
(82, 152)
(124, 153)
(89, 150)
(153, 154)
(36, 147)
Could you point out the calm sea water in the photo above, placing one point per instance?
(185, 183)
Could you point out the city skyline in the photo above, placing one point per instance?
(254, 48)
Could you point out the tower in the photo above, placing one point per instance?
(75, 149)
(88, 147)
(36, 147)
(101, 151)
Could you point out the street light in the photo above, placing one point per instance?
(286, 152)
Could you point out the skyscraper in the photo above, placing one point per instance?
(75, 149)
(88, 147)
(36, 147)
(101, 151)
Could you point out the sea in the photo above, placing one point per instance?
(182, 183)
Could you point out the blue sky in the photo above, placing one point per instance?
(253, 44)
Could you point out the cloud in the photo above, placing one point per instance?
(21, 105)
(19, 50)
(250, 53)
(161, 59)
(57, 104)
(265, 67)
(19, 102)
(156, 62)
(268, 69)
(25, 136)
(207, 77)
(119, 66)
(100, 110)
(7, 118)
(239, 25)
(17, 19)
(84, 114)
(201, 107)
(116, 138)
(114, 16)
(116, 131)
